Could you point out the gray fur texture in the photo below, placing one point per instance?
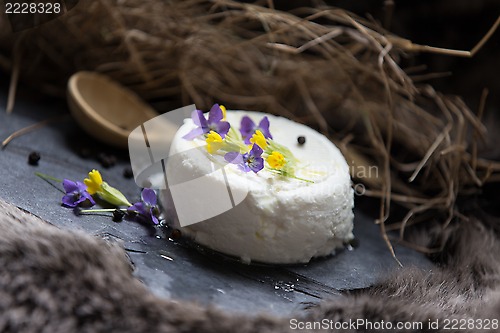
(53, 280)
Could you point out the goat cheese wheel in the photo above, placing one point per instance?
(263, 217)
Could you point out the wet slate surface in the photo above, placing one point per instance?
(174, 268)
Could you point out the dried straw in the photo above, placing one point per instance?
(321, 66)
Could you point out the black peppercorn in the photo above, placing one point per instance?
(85, 152)
(33, 158)
(301, 140)
(118, 215)
(176, 234)
(106, 160)
(128, 173)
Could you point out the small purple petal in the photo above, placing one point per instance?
(256, 151)
(222, 128)
(253, 159)
(138, 207)
(145, 209)
(69, 200)
(76, 193)
(199, 118)
(234, 157)
(247, 128)
(154, 219)
(80, 200)
(72, 199)
(238, 159)
(264, 128)
(149, 197)
(215, 114)
(194, 133)
(214, 123)
(244, 167)
(257, 164)
(70, 186)
(88, 197)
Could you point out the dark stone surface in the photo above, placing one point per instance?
(173, 268)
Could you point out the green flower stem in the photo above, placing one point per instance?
(235, 142)
(286, 174)
(303, 179)
(103, 210)
(47, 177)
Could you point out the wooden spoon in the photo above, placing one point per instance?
(105, 109)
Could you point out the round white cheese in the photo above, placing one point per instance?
(268, 218)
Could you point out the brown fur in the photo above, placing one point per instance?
(467, 286)
(53, 280)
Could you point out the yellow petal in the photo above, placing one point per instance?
(94, 182)
(276, 160)
(213, 147)
(223, 108)
(214, 142)
(91, 187)
(95, 176)
(259, 139)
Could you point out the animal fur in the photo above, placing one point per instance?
(54, 280)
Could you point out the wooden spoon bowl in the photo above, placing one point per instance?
(105, 109)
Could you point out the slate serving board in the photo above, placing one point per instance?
(174, 268)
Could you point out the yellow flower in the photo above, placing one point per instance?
(214, 142)
(95, 185)
(259, 139)
(276, 160)
(223, 109)
(94, 182)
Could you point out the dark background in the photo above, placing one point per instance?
(453, 24)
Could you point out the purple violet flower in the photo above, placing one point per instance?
(146, 208)
(214, 123)
(76, 194)
(248, 161)
(248, 128)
